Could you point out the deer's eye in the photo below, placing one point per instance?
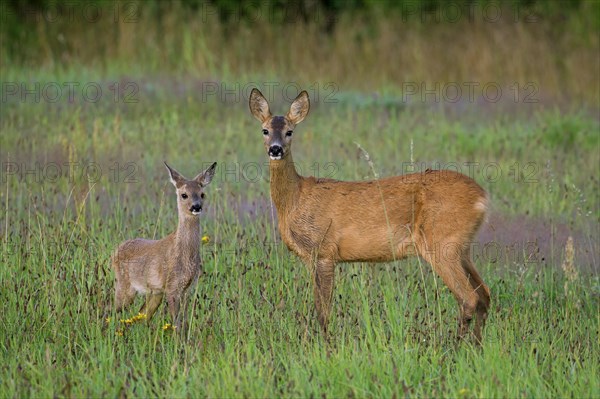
(184, 196)
(202, 195)
(289, 133)
(265, 132)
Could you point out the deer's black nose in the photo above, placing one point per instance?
(275, 151)
(195, 208)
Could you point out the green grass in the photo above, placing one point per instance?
(253, 331)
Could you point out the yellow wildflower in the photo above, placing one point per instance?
(119, 333)
(107, 320)
(139, 317)
(205, 239)
(169, 326)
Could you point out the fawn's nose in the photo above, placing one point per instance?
(275, 151)
(196, 208)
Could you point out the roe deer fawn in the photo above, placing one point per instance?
(434, 214)
(168, 266)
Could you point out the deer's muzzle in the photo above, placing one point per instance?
(275, 152)
(196, 209)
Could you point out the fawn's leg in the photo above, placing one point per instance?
(174, 302)
(152, 303)
(124, 296)
(124, 292)
(184, 311)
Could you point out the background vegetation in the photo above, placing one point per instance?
(82, 171)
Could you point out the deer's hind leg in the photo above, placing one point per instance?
(152, 303)
(124, 295)
(124, 292)
(483, 292)
(446, 261)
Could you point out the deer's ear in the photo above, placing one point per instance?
(206, 177)
(259, 106)
(299, 108)
(176, 178)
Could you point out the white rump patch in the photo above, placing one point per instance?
(481, 204)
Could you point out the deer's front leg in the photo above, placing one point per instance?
(324, 275)
(174, 302)
(174, 293)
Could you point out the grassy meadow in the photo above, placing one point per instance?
(82, 171)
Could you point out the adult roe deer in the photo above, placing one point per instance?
(434, 214)
(168, 266)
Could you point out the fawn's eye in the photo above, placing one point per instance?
(289, 133)
(265, 132)
(184, 196)
(202, 195)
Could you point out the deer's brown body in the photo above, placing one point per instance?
(434, 214)
(169, 266)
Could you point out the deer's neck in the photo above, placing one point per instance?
(187, 236)
(285, 184)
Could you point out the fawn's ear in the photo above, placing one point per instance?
(299, 108)
(206, 177)
(259, 106)
(176, 178)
